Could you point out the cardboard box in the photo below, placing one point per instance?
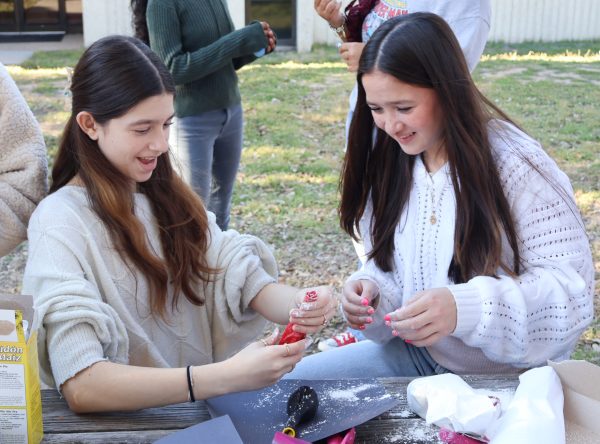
(20, 399)
(581, 389)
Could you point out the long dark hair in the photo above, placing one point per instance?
(112, 76)
(421, 49)
(138, 15)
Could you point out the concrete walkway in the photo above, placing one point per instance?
(16, 53)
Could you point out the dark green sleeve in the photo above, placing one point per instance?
(165, 39)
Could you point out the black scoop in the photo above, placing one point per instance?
(301, 407)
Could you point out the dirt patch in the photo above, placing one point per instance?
(489, 74)
(565, 78)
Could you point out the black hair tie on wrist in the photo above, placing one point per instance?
(190, 385)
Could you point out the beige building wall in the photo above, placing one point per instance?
(513, 21)
(105, 17)
(516, 21)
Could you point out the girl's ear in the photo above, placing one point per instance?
(88, 124)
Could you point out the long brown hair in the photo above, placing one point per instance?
(113, 75)
(421, 49)
(138, 17)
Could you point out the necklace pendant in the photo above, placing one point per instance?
(433, 219)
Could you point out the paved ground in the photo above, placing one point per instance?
(16, 53)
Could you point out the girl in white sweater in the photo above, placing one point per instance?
(477, 258)
(141, 300)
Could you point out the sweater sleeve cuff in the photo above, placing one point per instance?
(74, 352)
(468, 308)
(256, 36)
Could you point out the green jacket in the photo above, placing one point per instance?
(197, 41)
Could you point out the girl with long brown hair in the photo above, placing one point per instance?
(141, 299)
(477, 258)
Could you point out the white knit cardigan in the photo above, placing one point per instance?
(503, 324)
(23, 164)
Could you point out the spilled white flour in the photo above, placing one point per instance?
(350, 394)
(419, 432)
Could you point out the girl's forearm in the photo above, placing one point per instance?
(274, 302)
(107, 386)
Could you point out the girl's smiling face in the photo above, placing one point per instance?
(133, 142)
(409, 114)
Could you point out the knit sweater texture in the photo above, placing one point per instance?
(92, 306)
(200, 46)
(503, 324)
(23, 164)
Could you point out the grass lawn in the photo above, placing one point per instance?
(295, 107)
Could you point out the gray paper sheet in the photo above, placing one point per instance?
(343, 404)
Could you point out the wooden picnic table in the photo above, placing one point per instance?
(398, 425)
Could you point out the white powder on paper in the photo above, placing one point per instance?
(350, 394)
(267, 398)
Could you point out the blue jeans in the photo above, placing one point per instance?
(366, 359)
(209, 147)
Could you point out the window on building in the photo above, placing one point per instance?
(279, 13)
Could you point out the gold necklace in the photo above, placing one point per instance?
(432, 217)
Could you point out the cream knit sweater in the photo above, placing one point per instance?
(503, 324)
(23, 164)
(91, 306)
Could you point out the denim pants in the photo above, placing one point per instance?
(208, 147)
(367, 359)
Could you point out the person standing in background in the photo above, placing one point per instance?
(202, 50)
(23, 164)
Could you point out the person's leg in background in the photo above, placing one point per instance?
(226, 161)
(193, 139)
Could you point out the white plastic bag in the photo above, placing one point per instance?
(535, 413)
(448, 401)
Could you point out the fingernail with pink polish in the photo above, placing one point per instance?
(364, 301)
(387, 317)
(362, 327)
(408, 341)
(370, 310)
(369, 320)
(395, 333)
(388, 323)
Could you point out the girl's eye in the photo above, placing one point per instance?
(375, 109)
(168, 124)
(404, 110)
(141, 131)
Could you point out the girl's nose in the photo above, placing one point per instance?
(392, 124)
(160, 143)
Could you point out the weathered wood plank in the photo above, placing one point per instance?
(146, 437)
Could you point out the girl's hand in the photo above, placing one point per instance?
(261, 364)
(330, 11)
(358, 299)
(350, 52)
(310, 316)
(426, 318)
